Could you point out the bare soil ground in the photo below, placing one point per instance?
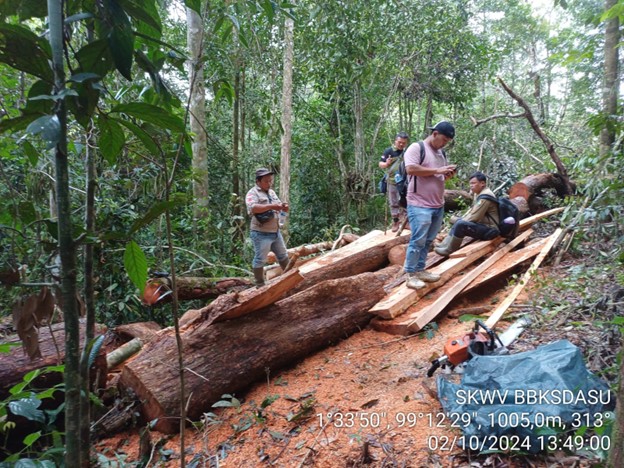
(367, 401)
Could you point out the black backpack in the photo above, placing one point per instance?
(402, 178)
(506, 209)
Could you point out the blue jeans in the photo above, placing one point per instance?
(263, 242)
(425, 224)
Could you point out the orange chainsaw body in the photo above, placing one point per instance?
(456, 349)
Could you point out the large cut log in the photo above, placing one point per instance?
(531, 189)
(235, 305)
(226, 357)
(158, 290)
(16, 364)
(368, 253)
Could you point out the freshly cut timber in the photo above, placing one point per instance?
(402, 297)
(368, 253)
(504, 305)
(228, 356)
(310, 249)
(229, 306)
(507, 263)
(426, 315)
(158, 290)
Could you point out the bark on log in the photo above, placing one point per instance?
(531, 189)
(15, 364)
(143, 330)
(456, 200)
(158, 290)
(227, 357)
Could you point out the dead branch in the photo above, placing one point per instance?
(550, 147)
(476, 122)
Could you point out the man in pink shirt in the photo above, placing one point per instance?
(425, 200)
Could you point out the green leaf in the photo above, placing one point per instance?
(95, 58)
(31, 153)
(120, 37)
(23, 50)
(144, 12)
(78, 17)
(155, 211)
(136, 265)
(48, 127)
(32, 438)
(6, 347)
(223, 88)
(85, 76)
(193, 5)
(84, 105)
(112, 138)
(269, 9)
(16, 124)
(152, 114)
(28, 408)
(143, 136)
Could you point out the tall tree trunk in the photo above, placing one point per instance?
(66, 246)
(197, 111)
(611, 79)
(89, 295)
(358, 111)
(287, 98)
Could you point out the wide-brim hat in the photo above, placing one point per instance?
(261, 172)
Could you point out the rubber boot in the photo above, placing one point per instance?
(259, 275)
(284, 264)
(447, 248)
(413, 282)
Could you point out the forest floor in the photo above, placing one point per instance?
(384, 409)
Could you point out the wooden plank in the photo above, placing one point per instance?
(428, 314)
(524, 224)
(370, 240)
(368, 253)
(234, 305)
(401, 297)
(503, 306)
(539, 216)
(507, 263)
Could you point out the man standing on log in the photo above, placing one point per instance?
(390, 161)
(264, 206)
(425, 199)
(481, 221)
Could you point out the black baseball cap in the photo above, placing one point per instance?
(261, 172)
(445, 128)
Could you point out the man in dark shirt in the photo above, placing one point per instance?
(390, 161)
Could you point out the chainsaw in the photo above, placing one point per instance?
(476, 343)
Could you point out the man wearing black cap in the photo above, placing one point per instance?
(390, 161)
(264, 206)
(425, 200)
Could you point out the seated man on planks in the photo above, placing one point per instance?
(481, 221)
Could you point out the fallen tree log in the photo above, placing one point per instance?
(368, 253)
(15, 364)
(236, 305)
(226, 357)
(456, 200)
(311, 249)
(533, 186)
(158, 290)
